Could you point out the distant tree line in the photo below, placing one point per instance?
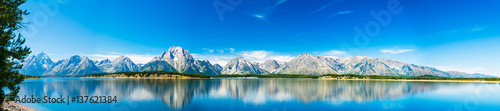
(342, 76)
(352, 76)
(268, 76)
(422, 77)
(149, 73)
(31, 77)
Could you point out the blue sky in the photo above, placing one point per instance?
(461, 35)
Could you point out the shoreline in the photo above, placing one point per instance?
(137, 76)
(13, 106)
(468, 81)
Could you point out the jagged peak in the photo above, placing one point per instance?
(361, 57)
(177, 49)
(304, 55)
(122, 57)
(204, 61)
(75, 57)
(105, 60)
(174, 53)
(270, 60)
(239, 59)
(41, 54)
(85, 58)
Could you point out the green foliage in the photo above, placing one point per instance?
(31, 77)
(352, 76)
(12, 53)
(423, 77)
(148, 73)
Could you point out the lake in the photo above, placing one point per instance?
(264, 94)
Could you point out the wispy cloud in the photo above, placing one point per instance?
(231, 49)
(219, 50)
(259, 16)
(262, 56)
(261, 13)
(209, 50)
(327, 5)
(334, 54)
(464, 30)
(281, 1)
(477, 29)
(395, 51)
(136, 58)
(340, 13)
(254, 54)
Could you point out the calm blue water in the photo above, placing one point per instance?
(265, 94)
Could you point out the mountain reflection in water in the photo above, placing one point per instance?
(176, 94)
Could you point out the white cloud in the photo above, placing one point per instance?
(261, 54)
(339, 13)
(136, 58)
(395, 51)
(284, 58)
(207, 49)
(231, 49)
(220, 50)
(476, 29)
(334, 54)
(259, 16)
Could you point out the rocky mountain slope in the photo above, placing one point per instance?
(37, 65)
(270, 66)
(307, 64)
(217, 67)
(158, 65)
(183, 62)
(75, 65)
(120, 64)
(240, 65)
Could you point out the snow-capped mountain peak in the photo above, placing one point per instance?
(177, 59)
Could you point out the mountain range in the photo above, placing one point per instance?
(177, 59)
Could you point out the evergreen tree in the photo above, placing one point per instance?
(12, 53)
